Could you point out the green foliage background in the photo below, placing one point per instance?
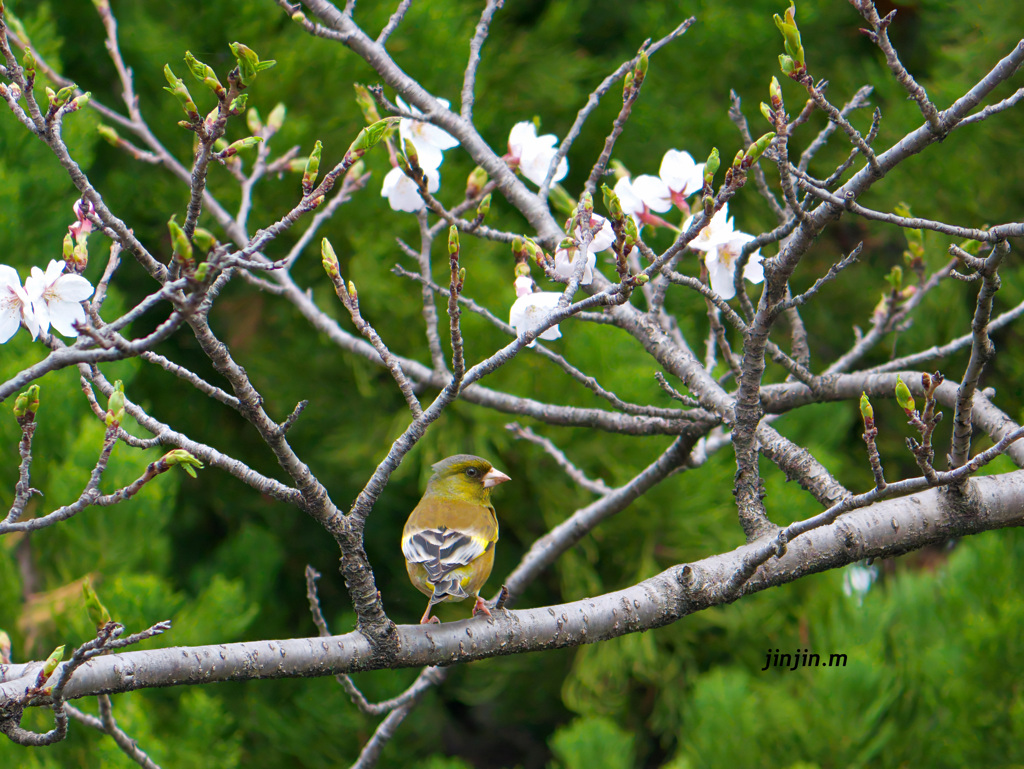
(929, 646)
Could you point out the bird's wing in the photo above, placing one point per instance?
(442, 550)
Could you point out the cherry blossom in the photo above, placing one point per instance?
(429, 140)
(723, 244)
(566, 257)
(15, 305)
(681, 175)
(534, 154)
(633, 202)
(721, 264)
(57, 298)
(402, 192)
(523, 285)
(83, 226)
(530, 311)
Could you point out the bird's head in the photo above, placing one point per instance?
(464, 477)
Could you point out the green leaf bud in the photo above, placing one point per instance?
(476, 181)
(276, 117)
(586, 203)
(612, 203)
(183, 458)
(55, 658)
(21, 405)
(903, 396)
(453, 240)
(866, 412)
(115, 405)
(98, 613)
(249, 64)
(252, 120)
(372, 134)
(178, 90)
(757, 149)
(329, 258)
(791, 35)
(711, 166)
(775, 93)
(312, 168)
(28, 63)
(366, 103)
(108, 134)
(80, 101)
(182, 247)
(204, 240)
(485, 206)
(239, 146)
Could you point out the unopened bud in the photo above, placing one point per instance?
(711, 166)
(757, 149)
(453, 240)
(108, 134)
(586, 203)
(867, 413)
(55, 658)
(366, 103)
(485, 206)
(329, 258)
(252, 121)
(775, 93)
(903, 396)
(98, 613)
(312, 168)
(276, 117)
(115, 405)
(204, 240)
(476, 181)
(182, 253)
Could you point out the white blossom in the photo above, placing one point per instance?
(654, 193)
(566, 257)
(534, 153)
(531, 310)
(681, 174)
(723, 244)
(402, 192)
(57, 297)
(15, 305)
(429, 140)
(721, 264)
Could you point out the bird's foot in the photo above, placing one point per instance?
(480, 607)
(431, 621)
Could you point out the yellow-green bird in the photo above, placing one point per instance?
(448, 541)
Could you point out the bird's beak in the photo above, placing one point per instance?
(493, 477)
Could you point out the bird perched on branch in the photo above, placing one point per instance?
(448, 541)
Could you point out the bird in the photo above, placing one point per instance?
(448, 540)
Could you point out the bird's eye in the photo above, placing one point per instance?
(472, 472)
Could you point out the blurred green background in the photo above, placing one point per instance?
(928, 646)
